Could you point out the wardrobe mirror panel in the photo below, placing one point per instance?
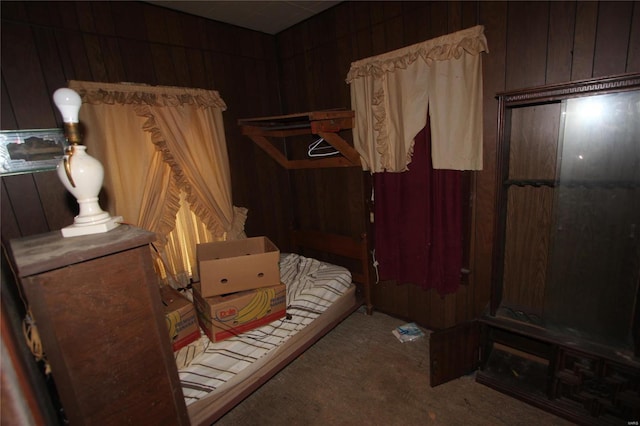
(594, 266)
(569, 210)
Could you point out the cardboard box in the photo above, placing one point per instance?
(180, 316)
(224, 316)
(232, 266)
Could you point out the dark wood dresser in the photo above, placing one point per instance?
(98, 311)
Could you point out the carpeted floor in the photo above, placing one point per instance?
(360, 374)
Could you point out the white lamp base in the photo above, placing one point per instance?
(92, 228)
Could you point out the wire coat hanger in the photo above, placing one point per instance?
(316, 149)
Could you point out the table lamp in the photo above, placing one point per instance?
(80, 173)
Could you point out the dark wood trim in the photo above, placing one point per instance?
(559, 91)
(502, 170)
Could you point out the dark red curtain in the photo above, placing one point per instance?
(418, 222)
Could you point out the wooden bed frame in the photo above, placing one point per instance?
(355, 250)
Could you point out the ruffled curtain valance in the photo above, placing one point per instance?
(140, 94)
(392, 92)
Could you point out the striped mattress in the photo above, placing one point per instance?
(312, 286)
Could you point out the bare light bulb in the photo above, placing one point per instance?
(68, 102)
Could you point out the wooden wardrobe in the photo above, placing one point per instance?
(562, 331)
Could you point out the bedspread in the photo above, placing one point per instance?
(312, 286)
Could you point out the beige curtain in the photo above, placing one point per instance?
(166, 166)
(391, 93)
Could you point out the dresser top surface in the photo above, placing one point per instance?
(44, 252)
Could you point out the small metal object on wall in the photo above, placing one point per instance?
(25, 151)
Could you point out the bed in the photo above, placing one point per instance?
(320, 293)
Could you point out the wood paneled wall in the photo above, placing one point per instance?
(301, 69)
(45, 44)
(531, 43)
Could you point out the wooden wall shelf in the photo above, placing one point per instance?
(326, 124)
